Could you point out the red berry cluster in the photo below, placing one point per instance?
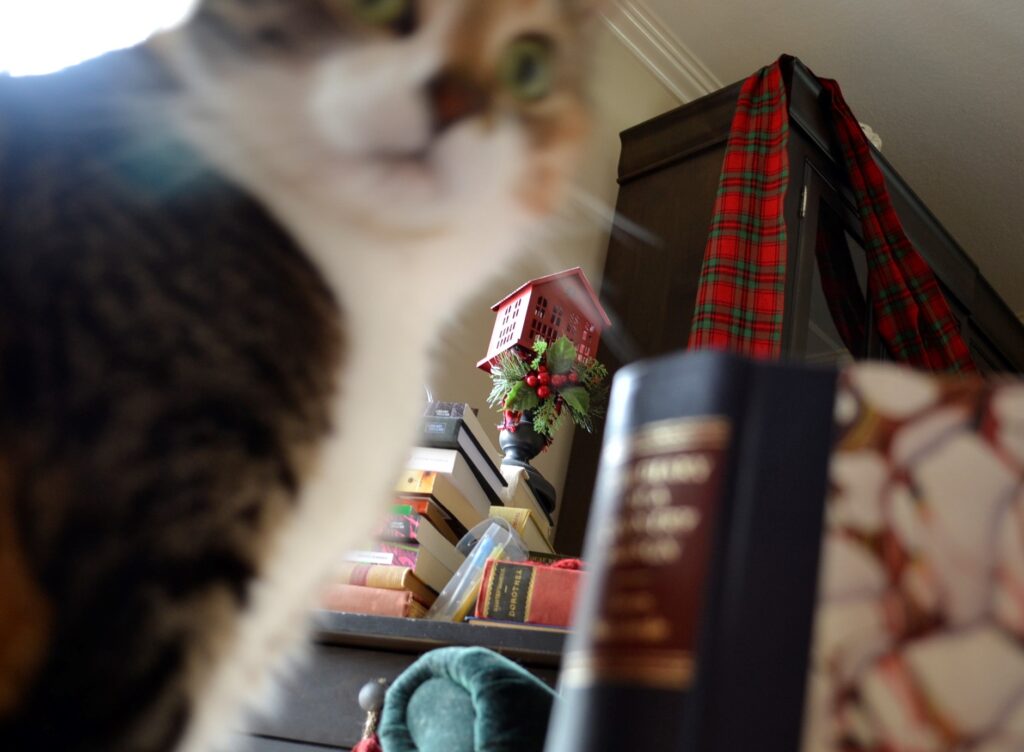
(544, 382)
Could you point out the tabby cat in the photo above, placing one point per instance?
(212, 247)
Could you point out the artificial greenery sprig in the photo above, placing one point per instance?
(546, 381)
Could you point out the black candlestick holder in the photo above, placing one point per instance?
(521, 446)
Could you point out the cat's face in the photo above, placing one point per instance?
(400, 111)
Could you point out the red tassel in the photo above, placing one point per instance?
(369, 744)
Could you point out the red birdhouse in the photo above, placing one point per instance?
(548, 307)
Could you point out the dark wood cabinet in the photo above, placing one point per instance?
(668, 177)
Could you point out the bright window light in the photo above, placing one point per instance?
(42, 36)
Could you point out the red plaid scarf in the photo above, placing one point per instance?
(742, 283)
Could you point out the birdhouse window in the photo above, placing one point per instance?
(541, 309)
(584, 348)
(556, 316)
(541, 330)
(507, 335)
(572, 330)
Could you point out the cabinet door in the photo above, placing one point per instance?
(319, 704)
(828, 233)
(810, 333)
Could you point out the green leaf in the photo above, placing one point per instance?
(521, 397)
(577, 398)
(540, 345)
(561, 355)
(529, 400)
(513, 395)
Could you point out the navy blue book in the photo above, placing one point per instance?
(693, 627)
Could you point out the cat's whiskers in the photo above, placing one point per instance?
(596, 210)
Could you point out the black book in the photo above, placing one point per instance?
(694, 626)
(452, 432)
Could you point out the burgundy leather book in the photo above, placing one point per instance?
(528, 592)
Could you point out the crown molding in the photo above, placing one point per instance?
(654, 45)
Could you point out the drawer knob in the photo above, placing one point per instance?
(371, 699)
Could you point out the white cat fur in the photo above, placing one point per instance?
(390, 238)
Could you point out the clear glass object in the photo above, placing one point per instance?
(490, 539)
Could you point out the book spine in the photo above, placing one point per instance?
(516, 517)
(434, 485)
(402, 554)
(385, 576)
(446, 525)
(417, 481)
(440, 432)
(528, 593)
(374, 575)
(702, 545)
(630, 664)
(367, 600)
(401, 527)
(446, 410)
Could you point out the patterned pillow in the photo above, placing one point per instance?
(919, 631)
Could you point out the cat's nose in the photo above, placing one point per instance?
(454, 97)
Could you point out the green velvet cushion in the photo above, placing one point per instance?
(465, 700)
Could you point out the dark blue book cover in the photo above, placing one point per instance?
(692, 632)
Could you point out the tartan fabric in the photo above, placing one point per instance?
(741, 289)
(913, 318)
(742, 285)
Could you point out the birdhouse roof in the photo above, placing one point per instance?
(576, 273)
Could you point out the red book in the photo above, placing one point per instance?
(357, 599)
(528, 593)
(384, 576)
(420, 560)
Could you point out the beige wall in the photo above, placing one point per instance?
(624, 93)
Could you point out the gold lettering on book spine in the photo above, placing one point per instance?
(665, 479)
(661, 670)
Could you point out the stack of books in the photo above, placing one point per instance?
(452, 481)
(524, 512)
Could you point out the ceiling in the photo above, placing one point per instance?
(939, 80)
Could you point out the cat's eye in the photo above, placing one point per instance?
(393, 13)
(527, 68)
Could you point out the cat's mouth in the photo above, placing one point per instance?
(407, 170)
(439, 179)
(402, 186)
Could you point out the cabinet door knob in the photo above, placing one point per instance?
(371, 699)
